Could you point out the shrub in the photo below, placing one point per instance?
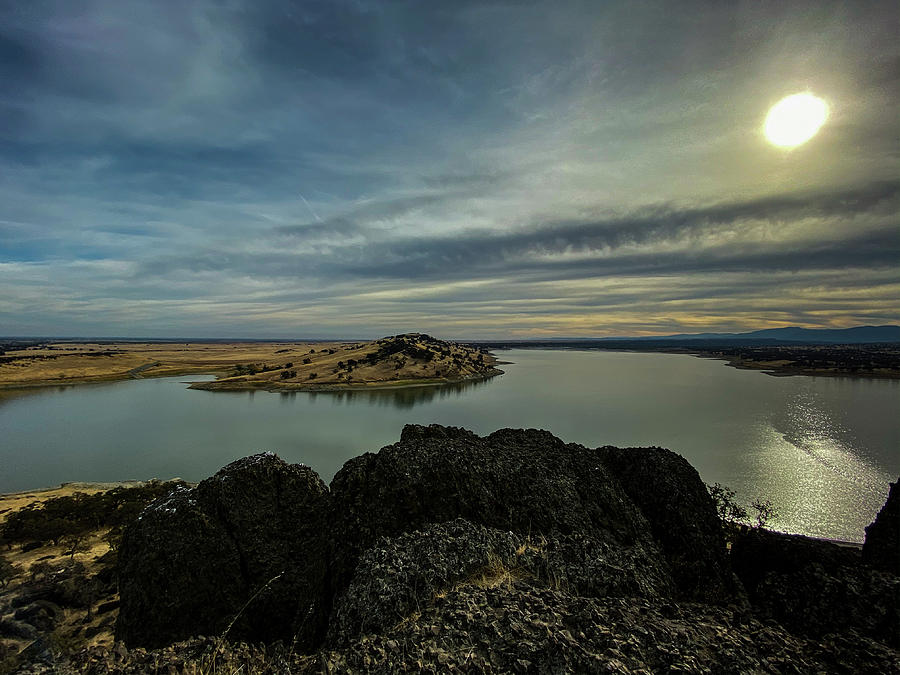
(76, 543)
(728, 509)
(8, 572)
(765, 510)
(63, 517)
(733, 514)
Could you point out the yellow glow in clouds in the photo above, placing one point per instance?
(795, 119)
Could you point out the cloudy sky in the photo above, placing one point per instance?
(469, 169)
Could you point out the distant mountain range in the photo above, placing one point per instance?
(789, 335)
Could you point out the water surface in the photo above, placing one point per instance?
(822, 449)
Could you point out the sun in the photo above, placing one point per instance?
(795, 119)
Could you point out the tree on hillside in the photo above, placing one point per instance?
(8, 572)
(75, 543)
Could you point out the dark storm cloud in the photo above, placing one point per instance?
(355, 159)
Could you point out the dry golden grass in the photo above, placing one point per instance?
(73, 621)
(14, 501)
(69, 363)
(32, 565)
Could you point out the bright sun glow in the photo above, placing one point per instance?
(795, 119)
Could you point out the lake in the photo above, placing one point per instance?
(822, 449)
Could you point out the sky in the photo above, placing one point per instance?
(467, 169)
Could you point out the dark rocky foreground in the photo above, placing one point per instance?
(515, 552)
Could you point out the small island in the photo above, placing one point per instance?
(411, 359)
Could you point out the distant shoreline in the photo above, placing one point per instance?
(784, 367)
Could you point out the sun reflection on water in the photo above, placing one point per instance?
(810, 468)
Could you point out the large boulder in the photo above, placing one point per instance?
(882, 547)
(242, 553)
(525, 481)
(682, 517)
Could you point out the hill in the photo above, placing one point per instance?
(397, 360)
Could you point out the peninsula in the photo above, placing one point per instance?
(399, 360)
(395, 361)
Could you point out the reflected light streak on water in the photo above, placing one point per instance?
(814, 474)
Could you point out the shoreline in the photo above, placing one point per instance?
(795, 372)
(12, 501)
(69, 487)
(102, 379)
(375, 385)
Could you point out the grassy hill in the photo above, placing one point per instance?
(397, 360)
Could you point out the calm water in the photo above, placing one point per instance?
(823, 449)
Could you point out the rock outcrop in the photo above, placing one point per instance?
(509, 552)
(528, 482)
(682, 518)
(882, 547)
(242, 552)
(522, 628)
